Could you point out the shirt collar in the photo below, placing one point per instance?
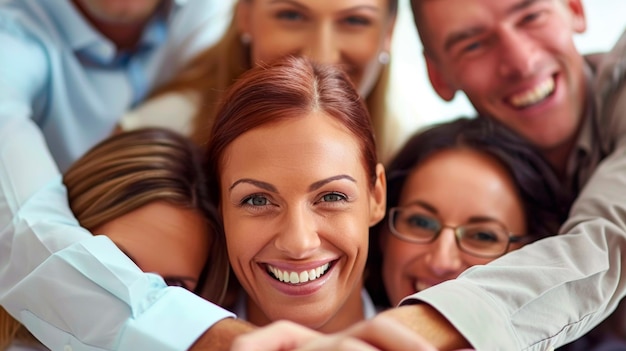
(87, 41)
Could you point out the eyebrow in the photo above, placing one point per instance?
(466, 33)
(294, 3)
(425, 205)
(272, 188)
(304, 7)
(257, 183)
(323, 182)
(480, 219)
(472, 219)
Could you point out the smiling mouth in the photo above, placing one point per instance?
(292, 277)
(535, 95)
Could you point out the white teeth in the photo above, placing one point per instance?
(304, 277)
(535, 95)
(301, 277)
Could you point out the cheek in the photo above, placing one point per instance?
(397, 255)
(349, 233)
(269, 51)
(240, 244)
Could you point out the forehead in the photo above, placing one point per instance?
(459, 168)
(313, 144)
(439, 19)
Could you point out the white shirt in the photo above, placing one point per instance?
(61, 80)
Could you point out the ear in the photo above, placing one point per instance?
(437, 79)
(579, 21)
(389, 34)
(242, 16)
(378, 196)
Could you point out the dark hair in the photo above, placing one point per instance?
(545, 202)
(292, 87)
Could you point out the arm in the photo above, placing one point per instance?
(555, 290)
(43, 248)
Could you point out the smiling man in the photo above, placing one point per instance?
(517, 63)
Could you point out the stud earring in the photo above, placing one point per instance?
(383, 57)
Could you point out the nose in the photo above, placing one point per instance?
(519, 54)
(444, 259)
(298, 237)
(323, 46)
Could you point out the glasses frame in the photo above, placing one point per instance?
(512, 237)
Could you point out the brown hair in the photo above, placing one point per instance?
(213, 70)
(290, 88)
(130, 170)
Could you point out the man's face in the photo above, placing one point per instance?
(514, 59)
(120, 11)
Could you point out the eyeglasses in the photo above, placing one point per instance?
(487, 239)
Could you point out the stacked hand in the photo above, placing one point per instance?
(380, 333)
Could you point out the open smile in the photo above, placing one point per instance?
(535, 95)
(301, 277)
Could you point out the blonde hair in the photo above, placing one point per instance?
(215, 69)
(126, 172)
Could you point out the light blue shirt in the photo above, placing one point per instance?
(64, 85)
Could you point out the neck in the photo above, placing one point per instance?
(125, 36)
(558, 157)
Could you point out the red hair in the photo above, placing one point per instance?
(290, 88)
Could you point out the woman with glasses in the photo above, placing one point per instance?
(459, 194)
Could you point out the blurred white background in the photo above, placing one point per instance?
(417, 105)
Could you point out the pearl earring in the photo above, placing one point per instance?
(383, 57)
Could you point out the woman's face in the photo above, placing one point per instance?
(297, 204)
(351, 33)
(164, 239)
(456, 186)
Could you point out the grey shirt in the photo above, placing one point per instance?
(555, 290)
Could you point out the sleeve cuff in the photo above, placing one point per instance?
(174, 322)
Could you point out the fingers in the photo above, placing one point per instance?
(337, 343)
(278, 336)
(387, 333)
(380, 333)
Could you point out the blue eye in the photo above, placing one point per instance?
(485, 236)
(472, 47)
(256, 200)
(357, 20)
(289, 15)
(333, 197)
(422, 222)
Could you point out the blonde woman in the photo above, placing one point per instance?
(146, 191)
(356, 35)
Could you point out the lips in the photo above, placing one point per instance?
(534, 95)
(298, 277)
